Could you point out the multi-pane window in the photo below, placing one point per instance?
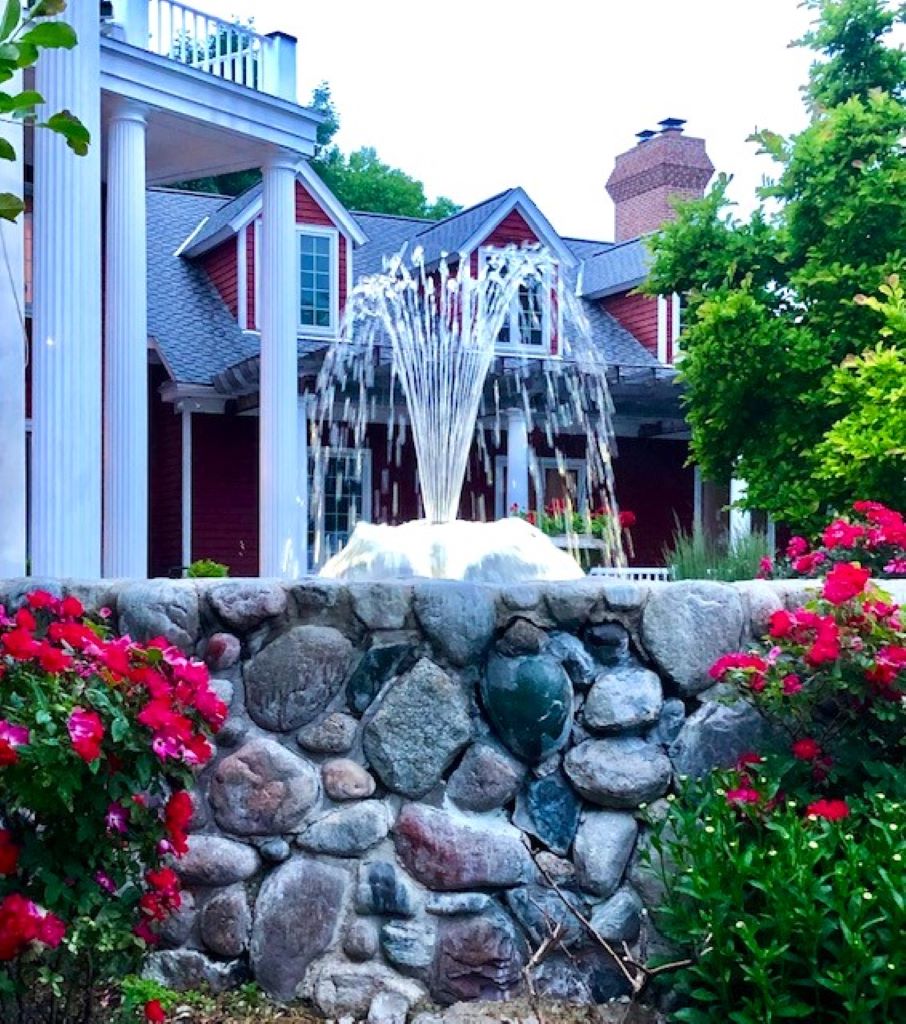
(316, 280)
(343, 501)
(528, 324)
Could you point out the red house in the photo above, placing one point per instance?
(205, 308)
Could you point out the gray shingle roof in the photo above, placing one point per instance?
(616, 269)
(195, 333)
(220, 217)
(200, 341)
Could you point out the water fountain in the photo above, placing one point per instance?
(431, 333)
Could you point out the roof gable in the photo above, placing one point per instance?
(235, 214)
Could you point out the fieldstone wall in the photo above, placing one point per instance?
(409, 770)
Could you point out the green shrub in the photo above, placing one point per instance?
(785, 916)
(696, 556)
(203, 568)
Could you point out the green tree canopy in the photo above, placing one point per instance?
(772, 310)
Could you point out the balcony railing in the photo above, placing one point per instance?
(203, 41)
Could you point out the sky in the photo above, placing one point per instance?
(476, 96)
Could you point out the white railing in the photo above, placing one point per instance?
(210, 44)
(637, 573)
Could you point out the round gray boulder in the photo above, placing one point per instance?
(618, 771)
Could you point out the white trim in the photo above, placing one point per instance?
(242, 312)
(536, 220)
(515, 346)
(662, 329)
(188, 241)
(675, 327)
(320, 231)
(536, 469)
(200, 397)
(331, 205)
(186, 496)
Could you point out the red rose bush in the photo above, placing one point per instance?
(784, 875)
(99, 738)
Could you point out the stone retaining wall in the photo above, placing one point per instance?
(406, 768)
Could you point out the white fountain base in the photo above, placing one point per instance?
(505, 551)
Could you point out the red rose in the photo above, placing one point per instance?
(40, 599)
(71, 608)
(806, 749)
(743, 795)
(844, 582)
(796, 547)
(832, 810)
(86, 730)
(154, 1012)
(792, 684)
(627, 519)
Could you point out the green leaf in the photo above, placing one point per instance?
(10, 206)
(51, 35)
(10, 18)
(7, 151)
(65, 123)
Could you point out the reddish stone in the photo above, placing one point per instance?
(478, 957)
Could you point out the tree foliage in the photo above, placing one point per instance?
(772, 310)
(23, 35)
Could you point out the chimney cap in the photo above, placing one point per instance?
(645, 134)
(672, 124)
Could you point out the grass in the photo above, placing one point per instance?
(696, 556)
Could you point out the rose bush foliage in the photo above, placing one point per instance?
(872, 534)
(99, 738)
(784, 876)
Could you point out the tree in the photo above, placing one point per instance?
(23, 35)
(771, 300)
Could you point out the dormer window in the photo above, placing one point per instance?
(318, 280)
(527, 329)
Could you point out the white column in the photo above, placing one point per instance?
(186, 502)
(302, 486)
(517, 461)
(278, 420)
(740, 519)
(12, 360)
(126, 348)
(66, 347)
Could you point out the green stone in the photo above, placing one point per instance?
(530, 703)
(376, 666)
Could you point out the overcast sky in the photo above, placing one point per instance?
(474, 96)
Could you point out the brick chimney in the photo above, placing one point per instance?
(661, 165)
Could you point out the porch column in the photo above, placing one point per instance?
(126, 349)
(517, 461)
(66, 344)
(302, 487)
(278, 420)
(740, 519)
(12, 359)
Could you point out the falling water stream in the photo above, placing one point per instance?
(429, 335)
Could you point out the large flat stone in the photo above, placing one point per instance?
(187, 970)
(687, 626)
(294, 678)
(160, 608)
(450, 853)
(618, 771)
(348, 831)
(340, 989)
(421, 725)
(244, 604)
(213, 860)
(602, 850)
(262, 789)
(480, 956)
(296, 918)
(458, 618)
(715, 735)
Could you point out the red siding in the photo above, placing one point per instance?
(225, 491)
(249, 233)
(307, 212)
(514, 229)
(220, 264)
(638, 314)
(653, 481)
(165, 505)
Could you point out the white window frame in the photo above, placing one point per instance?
(315, 513)
(537, 468)
(515, 346)
(304, 330)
